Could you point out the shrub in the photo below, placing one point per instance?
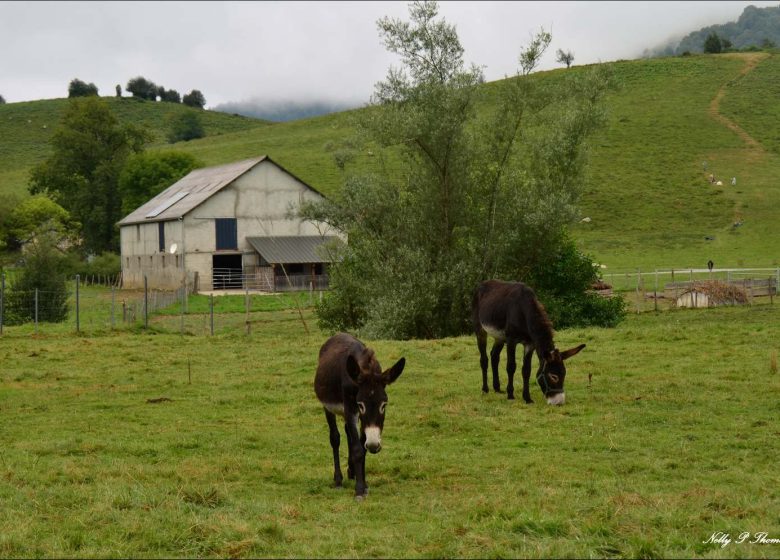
(563, 284)
(186, 127)
(44, 270)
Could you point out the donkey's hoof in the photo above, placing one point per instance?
(498, 390)
(529, 401)
(510, 397)
(485, 390)
(360, 497)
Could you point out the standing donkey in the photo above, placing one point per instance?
(349, 382)
(511, 314)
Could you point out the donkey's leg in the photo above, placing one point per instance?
(350, 467)
(528, 353)
(335, 440)
(495, 358)
(511, 367)
(357, 455)
(483, 358)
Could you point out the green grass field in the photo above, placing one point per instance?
(669, 435)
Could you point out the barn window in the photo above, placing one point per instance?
(227, 234)
(138, 232)
(161, 236)
(127, 262)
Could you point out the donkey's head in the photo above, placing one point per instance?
(371, 395)
(552, 373)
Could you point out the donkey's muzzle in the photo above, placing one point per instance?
(557, 399)
(373, 439)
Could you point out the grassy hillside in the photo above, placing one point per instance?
(26, 128)
(646, 194)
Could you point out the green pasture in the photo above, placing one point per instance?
(154, 444)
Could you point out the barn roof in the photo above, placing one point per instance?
(192, 190)
(293, 249)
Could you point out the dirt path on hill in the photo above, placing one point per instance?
(751, 61)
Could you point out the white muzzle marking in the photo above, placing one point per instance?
(373, 438)
(557, 399)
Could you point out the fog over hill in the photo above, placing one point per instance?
(281, 111)
(755, 27)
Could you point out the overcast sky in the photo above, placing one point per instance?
(303, 51)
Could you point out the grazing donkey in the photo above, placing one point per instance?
(511, 314)
(349, 382)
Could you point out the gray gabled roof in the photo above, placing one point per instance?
(192, 190)
(293, 249)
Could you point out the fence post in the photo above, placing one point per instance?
(246, 305)
(78, 319)
(655, 291)
(2, 299)
(146, 302)
(769, 285)
(211, 312)
(638, 291)
(113, 304)
(183, 305)
(36, 310)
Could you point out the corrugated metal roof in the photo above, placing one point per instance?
(199, 185)
(293, 249)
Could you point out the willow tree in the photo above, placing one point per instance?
(479, 181)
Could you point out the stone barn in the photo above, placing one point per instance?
(230, 226)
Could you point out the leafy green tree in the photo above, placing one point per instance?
(40, 215)
(475, 196)
(142, 88)
(8, 202)
(186, 126)
(77, 88)
(147, 174)
(44, 270)
(713, 44)
(89, 149)
(564, 57)
(194, 99)
(2, 100)
(171, 95)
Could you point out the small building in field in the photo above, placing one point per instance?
(230, 226)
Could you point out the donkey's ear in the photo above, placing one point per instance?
(353, 369)
(394, 372)
(571, 352)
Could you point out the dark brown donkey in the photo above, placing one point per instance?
(349, 382)
(511, 314)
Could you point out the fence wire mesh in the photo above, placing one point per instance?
(98, 308)
(101, 306)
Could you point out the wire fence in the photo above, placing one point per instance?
(101, 307)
